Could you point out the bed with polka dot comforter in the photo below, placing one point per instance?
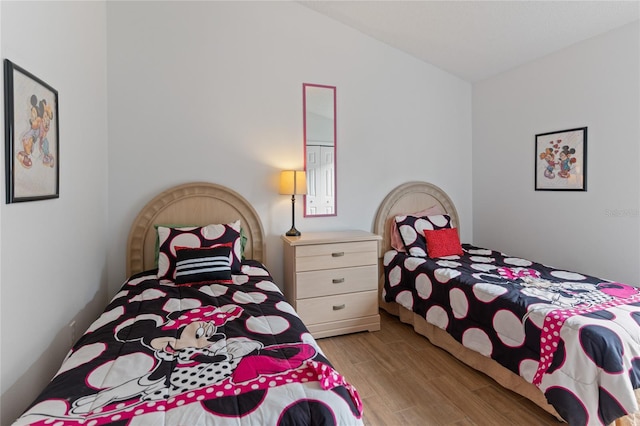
(223, 354)
(575, 336)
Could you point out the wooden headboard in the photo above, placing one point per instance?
(408, 198)
(198, 203)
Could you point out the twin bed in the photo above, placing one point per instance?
(220, 345)
(500, 314)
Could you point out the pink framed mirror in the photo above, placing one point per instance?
(319, 103)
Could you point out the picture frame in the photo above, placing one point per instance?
(32, 136)
(561, 160)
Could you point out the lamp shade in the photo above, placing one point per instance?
(293, 182)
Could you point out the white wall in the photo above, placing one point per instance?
(594, 83)
(213, 91)
(54, 251)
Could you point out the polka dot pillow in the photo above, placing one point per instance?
(196, 237)
(396, 241)
(412, 229)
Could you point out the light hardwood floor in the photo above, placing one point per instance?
(398, 388)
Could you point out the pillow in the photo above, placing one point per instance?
(412, 229)
(203, 265)
(196, 237)
(165, 225)
(243, 239)
(243, 242)
(396, 241)
(443, 242)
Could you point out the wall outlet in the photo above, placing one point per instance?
(72, 332)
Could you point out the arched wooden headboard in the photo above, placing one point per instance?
(408, 198)
(198, 203)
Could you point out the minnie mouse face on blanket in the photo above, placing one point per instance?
(565, 294)
(192, 355)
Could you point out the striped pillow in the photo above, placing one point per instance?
(203, 265)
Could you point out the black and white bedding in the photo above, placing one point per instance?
(575, 336)
(231, 353)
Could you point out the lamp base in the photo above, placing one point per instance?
(293, 232)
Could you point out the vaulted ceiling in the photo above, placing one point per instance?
(478, 39)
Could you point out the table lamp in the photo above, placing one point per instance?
(293, 182)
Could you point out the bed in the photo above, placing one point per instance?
(449, 299)
(187, 344)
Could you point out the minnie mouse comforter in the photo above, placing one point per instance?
(223, 354)
(575, 336)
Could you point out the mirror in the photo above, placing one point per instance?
(319, 104)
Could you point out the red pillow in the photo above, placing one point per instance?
(442, 242)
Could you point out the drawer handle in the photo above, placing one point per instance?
(338, 254)
(338, 307)
(337, 280)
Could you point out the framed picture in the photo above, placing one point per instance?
(561, 160)
(31, 136)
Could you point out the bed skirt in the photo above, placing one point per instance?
(488, 366)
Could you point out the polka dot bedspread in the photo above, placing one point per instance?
(208, 354)
(576, 337)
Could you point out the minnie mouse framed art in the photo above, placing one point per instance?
(561, 160)
(31, 136)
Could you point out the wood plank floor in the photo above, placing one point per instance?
(398, 388)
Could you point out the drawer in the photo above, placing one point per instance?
(336, 281)
(339, 307)
(336, 255)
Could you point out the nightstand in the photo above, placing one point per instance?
(331, 279)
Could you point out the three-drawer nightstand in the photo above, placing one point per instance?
(331, 279)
